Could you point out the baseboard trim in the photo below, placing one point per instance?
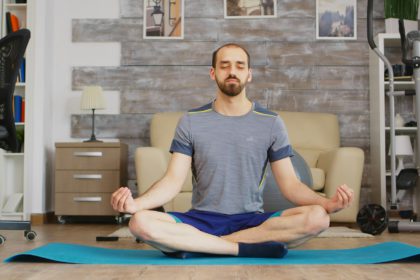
(43, 218)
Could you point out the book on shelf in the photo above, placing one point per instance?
(19, 108)
(22, 111)
(12, 23)
(22, 70)
(8, 23)
(17, 104)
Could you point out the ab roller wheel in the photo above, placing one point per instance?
(372, 219)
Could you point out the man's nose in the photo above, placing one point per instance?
(233, 71)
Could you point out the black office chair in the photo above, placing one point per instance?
(12, 49)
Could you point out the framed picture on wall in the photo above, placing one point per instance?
(250, 8)
(163, 19)
(336, 19)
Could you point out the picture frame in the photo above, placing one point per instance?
(163, 19)
(241, 9)
(336, 19)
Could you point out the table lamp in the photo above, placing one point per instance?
(92, 99)
(402, 148)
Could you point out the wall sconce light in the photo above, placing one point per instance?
(157, 13)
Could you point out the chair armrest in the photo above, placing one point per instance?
(343, 166)
(151, 164)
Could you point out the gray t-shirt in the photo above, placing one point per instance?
(230, 156)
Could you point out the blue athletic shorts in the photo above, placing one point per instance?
(222, 224)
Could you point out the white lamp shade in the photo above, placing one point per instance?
(402, 146)
(92, 98)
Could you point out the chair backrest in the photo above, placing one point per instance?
(12, 49)
(311, 133)
(162, 129)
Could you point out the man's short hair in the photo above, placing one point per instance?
(213, 62)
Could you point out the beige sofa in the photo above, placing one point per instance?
(316, 136)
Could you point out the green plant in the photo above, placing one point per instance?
(20, 136)
(402, 9)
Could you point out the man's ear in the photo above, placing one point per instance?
(212, 75)
(250, 75)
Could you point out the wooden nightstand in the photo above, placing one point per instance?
(86, 174)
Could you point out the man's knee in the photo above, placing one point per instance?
(317, 220)
(141, 225)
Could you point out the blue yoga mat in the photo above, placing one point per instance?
(79, 254)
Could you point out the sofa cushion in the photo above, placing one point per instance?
(318, 179)
(309, 155)
(182, 202)
(316, 131)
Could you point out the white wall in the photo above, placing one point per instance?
(53, 101)
(67, 54)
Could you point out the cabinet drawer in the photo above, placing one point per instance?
(71, 181)
(88, 158)
(93, 204)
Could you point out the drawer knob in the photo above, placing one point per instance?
(88, 176)
(87, 154)
(88, 199)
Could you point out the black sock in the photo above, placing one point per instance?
(187, 255)
(176, 254)
(269, 249)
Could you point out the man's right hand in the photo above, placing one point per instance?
(123, 202)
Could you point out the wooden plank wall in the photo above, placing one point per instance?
(292, 70)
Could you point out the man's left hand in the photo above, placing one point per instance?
(341, 199)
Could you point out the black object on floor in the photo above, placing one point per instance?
(107, 238)
(372, 219)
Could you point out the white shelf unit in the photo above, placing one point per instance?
(20, 11)
(11, 182)
(12, 164)
(379, 119)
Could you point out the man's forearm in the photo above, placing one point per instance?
(158, 194)
(303, 195)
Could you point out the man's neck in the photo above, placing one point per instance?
(232, 106)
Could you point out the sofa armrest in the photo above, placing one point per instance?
(343, 166)
(151, 164)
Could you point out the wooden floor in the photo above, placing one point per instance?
(86, 233)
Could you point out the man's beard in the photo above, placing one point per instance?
(231, 89)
